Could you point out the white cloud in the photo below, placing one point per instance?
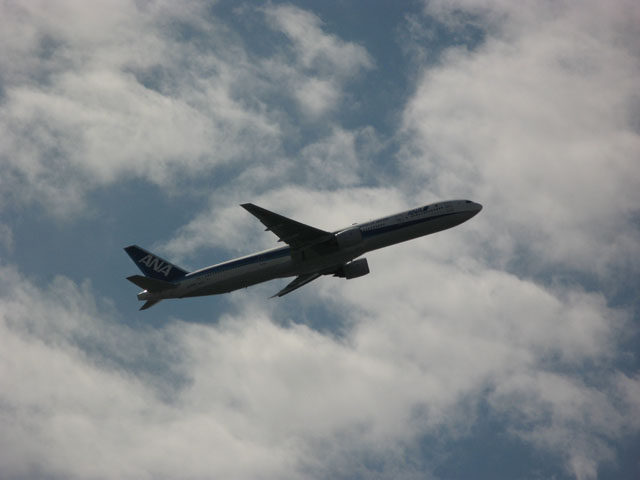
(340, 159)
(315, 49)
(323, 62)
(538, 123)
(85, 395)
(462, 329)
(316, 96)
(95, 95)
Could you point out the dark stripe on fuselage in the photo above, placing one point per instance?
(398, 226)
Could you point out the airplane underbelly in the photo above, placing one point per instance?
(340, 257)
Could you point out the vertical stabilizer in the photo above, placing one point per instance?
(153, 266)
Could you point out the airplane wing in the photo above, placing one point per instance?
(296, 234)
(298, 282)
(149, 304)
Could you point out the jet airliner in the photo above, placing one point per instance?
(308, 254)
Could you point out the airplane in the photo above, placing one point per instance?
(310, 253)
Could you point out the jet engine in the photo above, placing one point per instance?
(349, 237)
(354, 269)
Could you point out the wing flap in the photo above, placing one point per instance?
(298, 282)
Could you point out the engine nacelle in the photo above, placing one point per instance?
(349, 237)
(354, 269)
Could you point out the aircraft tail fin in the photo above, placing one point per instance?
(153, 266)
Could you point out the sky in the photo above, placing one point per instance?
(504, 348)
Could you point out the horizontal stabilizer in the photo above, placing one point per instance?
(149, 304)
(150, 284)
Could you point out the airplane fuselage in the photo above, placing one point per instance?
(325, 258)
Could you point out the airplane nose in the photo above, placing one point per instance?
(475, 208)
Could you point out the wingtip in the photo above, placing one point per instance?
(149, 304)
(250, 207)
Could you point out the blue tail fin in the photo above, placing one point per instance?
(153, 266)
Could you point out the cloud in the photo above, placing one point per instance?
(316, 96)
(323, 62)
(106, 94)
(538, 123)
(166, 94)
(460, 331)
(6, 237)
(581, 422)
(316, 50)
(91, 396)
(342, 158)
